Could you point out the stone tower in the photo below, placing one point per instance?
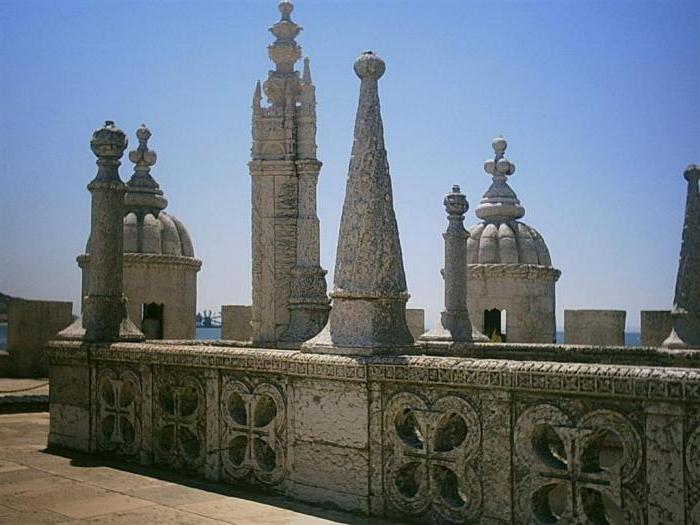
(509, 266)
(290, 303)
(160, 270)
(369, 285)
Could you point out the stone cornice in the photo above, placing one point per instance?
(548, 377)
(149, 259)
(520, 271)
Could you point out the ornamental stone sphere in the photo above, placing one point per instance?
(109, 141)
(499, 144)
(369, 65)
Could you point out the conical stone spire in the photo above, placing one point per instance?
(369, 296)
(686, 303)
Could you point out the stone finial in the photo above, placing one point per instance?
(144, 193)
(455, 325)
(499, 203)
(369, 66)
(306, 76)
(108, 144)
(686, 304)
(369, 296)
(284, 52)
(105, 317)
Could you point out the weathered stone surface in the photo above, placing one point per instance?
(455, 325)
(31, 324)
(235, 322)
(425, 439)
(105, 316)
(415, 319)
(289, 286)
(655, 327)
(686, 301)
(369, 290)
(595, 327)
(159, 264)
(329, 412)
(509, 263)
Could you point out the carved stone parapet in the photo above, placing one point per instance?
(520, 271)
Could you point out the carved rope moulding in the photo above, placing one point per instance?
(431, 456)
(254, 432)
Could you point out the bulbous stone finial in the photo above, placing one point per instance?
(143, 157)
(456, 202)
(286, 7)
(500, 203)
(369, 65)
(109, 141)
(144, 195)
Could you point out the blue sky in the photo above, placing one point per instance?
(599, 101)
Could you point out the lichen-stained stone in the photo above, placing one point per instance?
(686, 302)
(159, 264)
(290, 304)
(369, 290)
(105, 315)
(455, 325)
(331, 412)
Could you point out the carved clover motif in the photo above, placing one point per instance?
(430, 452)
(577, 472)
(254, 431)
(119, 401)
(179, 433)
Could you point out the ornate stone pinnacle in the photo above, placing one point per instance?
(144, 195)
(369, 296)
(456, 203)
(284, 52)
(500, 203)
(686, 302)
(143, 157)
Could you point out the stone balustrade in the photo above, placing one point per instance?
(516, 437)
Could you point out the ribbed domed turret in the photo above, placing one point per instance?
(501, 238)
(506, 243)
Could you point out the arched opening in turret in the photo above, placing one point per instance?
(152, 320)
(495, 323)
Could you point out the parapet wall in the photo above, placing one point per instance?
(655, 326)
(595, 327)
(441, 439)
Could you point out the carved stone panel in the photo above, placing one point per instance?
(692, 467)
(179, 420)
(119, 411)
(431, 457)
(253, 431)
(577, 464)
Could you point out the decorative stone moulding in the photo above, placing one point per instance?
(524, 439)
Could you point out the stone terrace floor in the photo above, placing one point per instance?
(38, 487)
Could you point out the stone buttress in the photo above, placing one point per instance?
(290, 302)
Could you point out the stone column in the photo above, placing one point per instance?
(369, 297)
(455, 325)
(105, 316)
(686, 303)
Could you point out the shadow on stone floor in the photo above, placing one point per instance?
(85, 461)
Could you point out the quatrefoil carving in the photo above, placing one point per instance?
(254, 431)
(119, 402)
(431, 456)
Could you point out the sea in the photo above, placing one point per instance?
(631, 338)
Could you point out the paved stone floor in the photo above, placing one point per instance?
(38, 487)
